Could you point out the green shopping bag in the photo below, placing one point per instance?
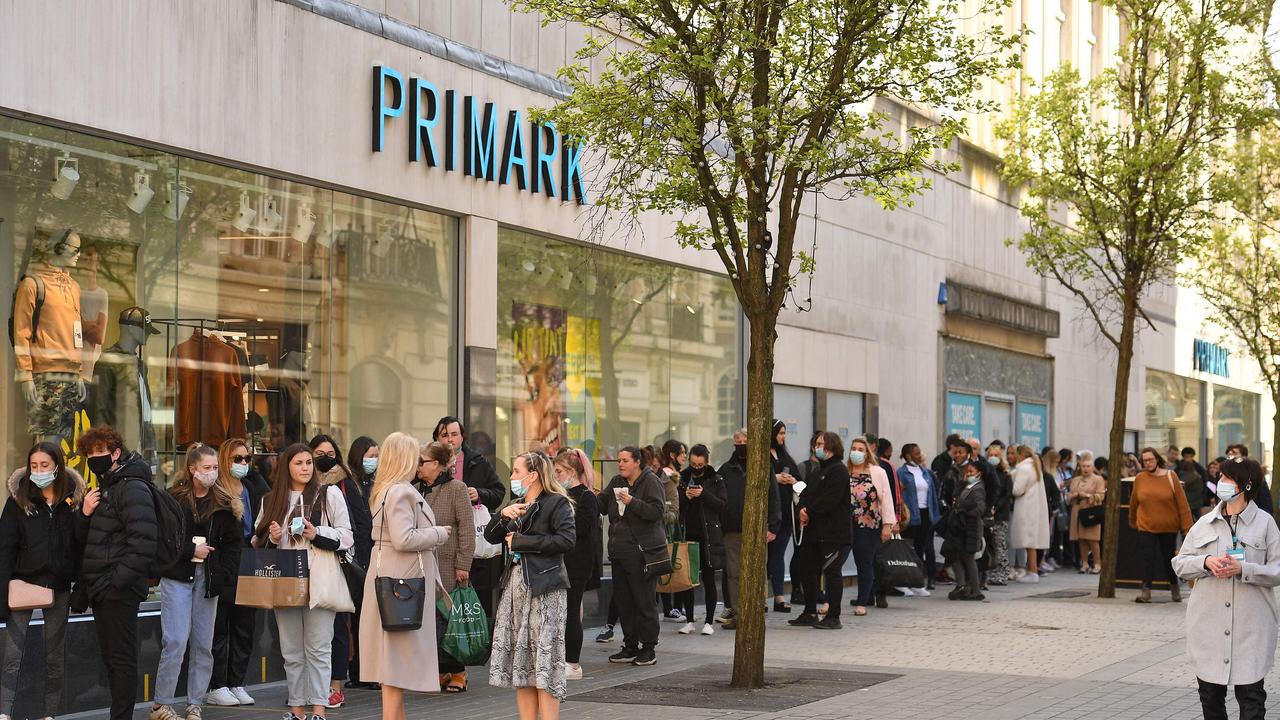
(466, 631)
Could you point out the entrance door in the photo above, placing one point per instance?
(794, 406)
(997, 421)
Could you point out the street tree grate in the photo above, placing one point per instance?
(707, 686)
(1062, 594)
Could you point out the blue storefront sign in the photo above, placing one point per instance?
(964, 414)
(1211, 358)
(1033, 424)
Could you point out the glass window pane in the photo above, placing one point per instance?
(1173, 407)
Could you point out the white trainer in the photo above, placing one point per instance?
(221, 696)
(687, 629)
(906, 591)
(244, 697)
(921, 592)
(572, 671)
(708, 628)
(1029, 578)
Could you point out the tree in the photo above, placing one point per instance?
(728, 113)
(1238, 271)
(1116, 173)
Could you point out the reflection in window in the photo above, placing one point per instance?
(1173, 408)
(1235, 419)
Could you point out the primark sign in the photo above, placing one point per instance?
(462, 133)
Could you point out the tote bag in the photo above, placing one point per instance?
(271, 578)
(484, 549)
(328, 584)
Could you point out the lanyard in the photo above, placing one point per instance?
(1233, 522)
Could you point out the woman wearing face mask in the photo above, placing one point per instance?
(1029, 525)
(873, 517)
(1001, 501)
(962, 536)
(528, 638)
(702, 497)
(671, 459)
(332, 473)
(1233, 554)
(362, 460)
(452, 509)
(38, 546)
(788, 473)
(300, 513)
(920, 491)
(233, 629)
(824, 532)
(1087, 490)
(573, 470)
(207, 567)
(1158, 511)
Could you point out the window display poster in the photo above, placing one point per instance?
(582, 380)
(964, 414)
(539, 335)
(1033, 424)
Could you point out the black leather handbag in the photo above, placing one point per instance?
(1091, 516)
(354, 575)
(657, 559)
(400, 600)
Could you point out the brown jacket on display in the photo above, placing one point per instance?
(53, 348)
(209, 377)
(1158, 504)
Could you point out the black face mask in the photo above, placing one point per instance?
(100, 465)
(324, 463)
(740, 453)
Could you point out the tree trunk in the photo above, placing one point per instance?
(748, 646)
(1115, 450)
(1275, 450)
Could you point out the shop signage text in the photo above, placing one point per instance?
(1210, 358)
(1033, 424)
(964, 414)
(433, 125)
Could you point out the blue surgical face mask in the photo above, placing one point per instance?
(857, 457)
(1227, 491)
(239, 470)
(518, 488)
(370, 465)
(43, 480)
(820, 453)
(993, 459)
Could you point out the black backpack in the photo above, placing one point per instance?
(35, 310)
(171, 531)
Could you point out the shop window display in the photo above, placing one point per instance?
(1174, 409)
(184, 301)
(599, 350)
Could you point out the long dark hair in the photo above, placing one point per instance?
(62, 483)
(276, 504)
(355, 458)
(671, 450)
(320, 439)
(784, 457)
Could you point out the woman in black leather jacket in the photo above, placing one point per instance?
(528, 638)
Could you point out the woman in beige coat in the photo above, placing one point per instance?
(452, 507)
(1086, 490)
(404, 533)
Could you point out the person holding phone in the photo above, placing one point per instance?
(1233, 554)
(189, 591)
(300, 513)
(702, 497)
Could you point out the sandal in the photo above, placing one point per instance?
(859, 611)
(457, 683)
(444, 680)
(782, 607)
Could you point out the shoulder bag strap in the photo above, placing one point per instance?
(382, 534)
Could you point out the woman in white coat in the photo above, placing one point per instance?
(1234, 554)
(1029, 526)
(405, 536)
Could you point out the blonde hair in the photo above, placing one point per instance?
(1024, 452)
(871, 452)
(538, 462)
(397, 463)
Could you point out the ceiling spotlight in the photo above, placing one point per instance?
(383, 240)
(589, 284)
(528, 266)
(66, 174)
(244, 219)
(271, 217)
(142, 193)
(306, 223)
(175, 200)
(566, 279)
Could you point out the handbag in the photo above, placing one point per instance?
(354, 575)
(28, 596)
(897, 565)
(329, 588)
(400, 600)
(657, 559)
(1091, 516)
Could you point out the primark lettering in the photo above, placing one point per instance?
(438, 123)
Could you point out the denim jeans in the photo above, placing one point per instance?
(777, 561)
(187, 618)
(15, 642)
(865, 543)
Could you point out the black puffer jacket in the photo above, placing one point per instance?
(826, 501)
(700, 516)
(120, 542)
(542, 536)
(583, 561)
(223, 532)
(39, 545)
(734, 474)
(478, 473)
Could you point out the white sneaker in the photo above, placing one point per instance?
(221, 696)
(921, 592)
(244, 697)
(1049, 565)
(1029, 578)
(1017, 574)
(708, 628)
(687, 629)
(572, 671)
(906, 591)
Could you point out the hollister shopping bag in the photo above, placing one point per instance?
(272, 578)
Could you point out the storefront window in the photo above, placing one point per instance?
(1235, 419)
(1174, 409)
(600, 350)
(208, 302)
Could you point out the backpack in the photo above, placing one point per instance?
(35, 310)
(171, 531)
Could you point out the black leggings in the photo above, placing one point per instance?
(573, 623)
(1252, 699)
(686, 598)
(1157, 551)
(823, 561)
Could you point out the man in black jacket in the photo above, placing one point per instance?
(635, 503)
(484, 488)
(734, 474)
(120, 547)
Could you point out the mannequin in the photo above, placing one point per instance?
(121, 396)
(48, 355)
(291, 406)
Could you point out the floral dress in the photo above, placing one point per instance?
(865, 500)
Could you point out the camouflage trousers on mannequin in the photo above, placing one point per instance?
(57, 401)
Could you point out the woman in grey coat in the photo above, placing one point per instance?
(1234, 554)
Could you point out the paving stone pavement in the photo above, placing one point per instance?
(1013, 656)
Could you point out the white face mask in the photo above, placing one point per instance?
(43, 480)
(206, 478)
